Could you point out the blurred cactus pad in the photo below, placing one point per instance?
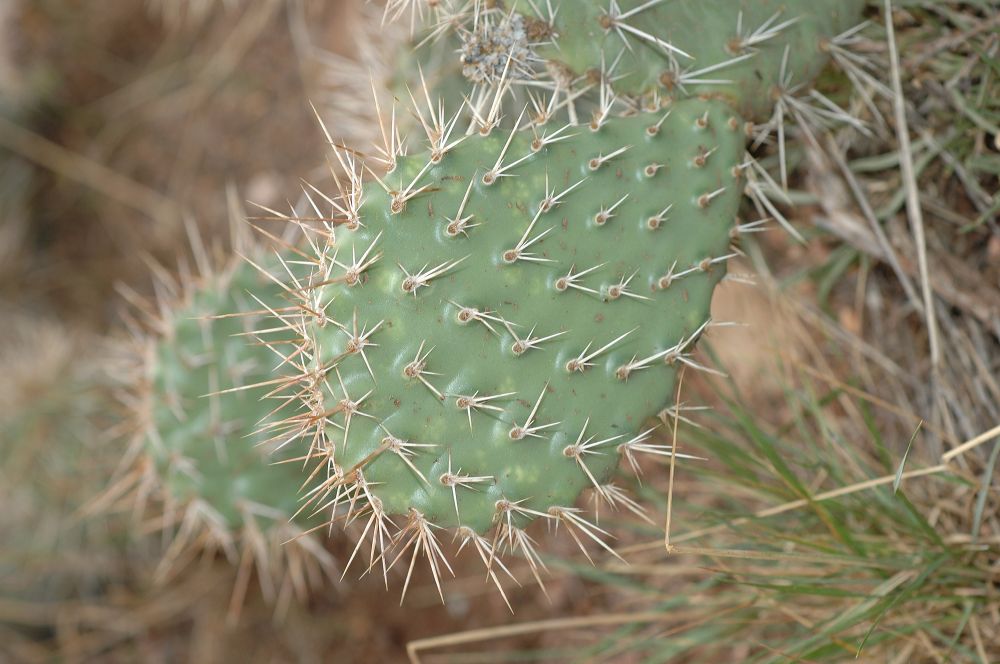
(201, 397)
(202, 435)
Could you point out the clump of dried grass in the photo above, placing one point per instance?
(916, 207)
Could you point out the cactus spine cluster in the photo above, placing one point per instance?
(476, 333)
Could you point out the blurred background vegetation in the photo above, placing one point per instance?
(849, 501)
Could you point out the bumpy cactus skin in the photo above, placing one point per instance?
(659, 46)
(557, 272)
(203, 442)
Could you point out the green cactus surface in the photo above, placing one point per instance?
(747, 51)
(205, 429)
(488, 331)
(208, 453)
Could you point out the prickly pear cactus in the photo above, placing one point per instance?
(749, 52)
(492, 323)
(204, 422)
(479, 332)
(740, 50)
(204, 439)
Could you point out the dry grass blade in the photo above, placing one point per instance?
(413, 648)
(673, 457)
(97, 176)
(913, 208)
(902, 461)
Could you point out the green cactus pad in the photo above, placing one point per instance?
(210, 456)
(488, 327)
(732, 48)
(204, 439)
